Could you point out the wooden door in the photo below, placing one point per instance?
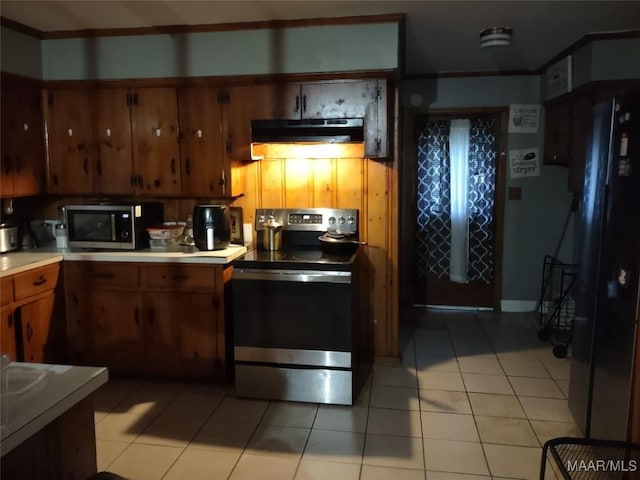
(351, 99)
(114, 157)
(256, 102)
(180, 334)
(480, 285)
(156, 154)
(8, 126)
(205, 173)
(22, 141)
(36, 319)
(106, 329)
(69, 131)
(8, 333)
(28, 158)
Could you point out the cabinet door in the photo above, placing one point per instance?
(156, 155)
(22, 141)
(180, 335)
(364, 99)
(70, 141)
(105, 329)
(38, 340)
(557, 134)
(256, 102)
(8, 333)
(204, 171)
(114, 159)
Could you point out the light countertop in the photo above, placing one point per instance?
(58, 389)
(16, 262)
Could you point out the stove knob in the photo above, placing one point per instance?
(332, 220)
(270, 218)
(341, 220)
(260, 218)
(351, 220)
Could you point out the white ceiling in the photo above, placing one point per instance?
(442, 36)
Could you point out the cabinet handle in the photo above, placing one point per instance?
(140, 182)
(304, 104)
(55, 179)
(41, 281)
(85, 166)
(229, 145)
(187, 166)
(297, 109)
(151, 316)
(173, 166)
(136, 316)
(29, 332)
(180, 277)
(99, 166)
(132, 180)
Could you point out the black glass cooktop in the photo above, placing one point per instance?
(295, 258)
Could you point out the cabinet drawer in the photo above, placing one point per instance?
(6, 290)
(35, 281)
(102, 274)
(176, 277)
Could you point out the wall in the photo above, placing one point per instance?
(532, 225)
(330, 48)
(20, 54)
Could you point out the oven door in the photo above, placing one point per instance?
(298, 317)
(292, 335)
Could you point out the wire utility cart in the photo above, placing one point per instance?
(582, 459)
(556, 305)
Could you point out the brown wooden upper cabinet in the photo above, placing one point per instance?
(23, 158)
(114, 141)
(70, 141)
(205, 171)
(156, 153)
(365, 99)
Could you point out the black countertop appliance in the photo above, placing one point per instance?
(211, 227)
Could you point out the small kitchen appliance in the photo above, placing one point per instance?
(8, 237)
(119, 226)
(301, 331)
(211, 227)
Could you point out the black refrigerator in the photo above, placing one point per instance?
(608, 257)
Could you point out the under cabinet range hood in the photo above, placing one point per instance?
(311, 138)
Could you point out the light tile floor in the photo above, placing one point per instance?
(475, 397)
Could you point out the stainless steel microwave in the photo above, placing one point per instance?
(120, 226)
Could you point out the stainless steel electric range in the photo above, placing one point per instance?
(300, 327)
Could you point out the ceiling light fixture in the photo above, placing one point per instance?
(496, 37)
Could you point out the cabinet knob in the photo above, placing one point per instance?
(70, 132)
(157, 132)
(26, 127)
(108, 132)
(199, 133)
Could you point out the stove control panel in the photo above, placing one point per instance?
(309, 219)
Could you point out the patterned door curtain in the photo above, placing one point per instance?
(434, 199)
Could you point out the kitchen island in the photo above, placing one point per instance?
(48, 423)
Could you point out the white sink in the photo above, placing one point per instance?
(21, 380)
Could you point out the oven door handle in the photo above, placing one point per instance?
(305, 276)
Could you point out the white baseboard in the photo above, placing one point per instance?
(518, 305)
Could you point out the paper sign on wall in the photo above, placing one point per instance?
(524, 118)
(524, 163)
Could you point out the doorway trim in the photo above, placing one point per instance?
(408, 198)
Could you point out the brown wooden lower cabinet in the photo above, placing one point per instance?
(170, 325)
(33, 328)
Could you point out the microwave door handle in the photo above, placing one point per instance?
(113, 227)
